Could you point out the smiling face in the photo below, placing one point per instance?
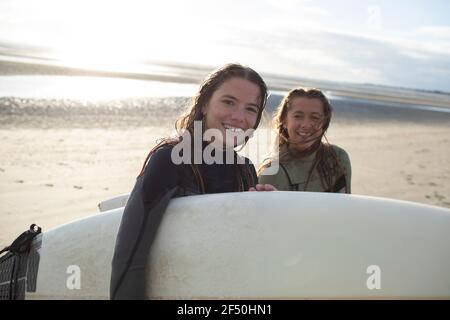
(233, 109)
(304, 121)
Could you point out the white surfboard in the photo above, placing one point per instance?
(263, 245)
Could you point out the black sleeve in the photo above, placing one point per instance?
(141, 218)
(253, 173)
(340, 183)
(250, 168)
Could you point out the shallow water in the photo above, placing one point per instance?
(81, 101)
(89, 88)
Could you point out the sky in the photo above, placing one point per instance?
(398, 43)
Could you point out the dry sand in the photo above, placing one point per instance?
(57, 167)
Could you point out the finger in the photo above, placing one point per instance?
(260, 187)
(270, 187)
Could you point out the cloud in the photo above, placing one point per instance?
(405, 63)
(434, 31)
(338, 56)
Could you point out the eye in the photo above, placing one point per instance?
(252, 109)
(228, 102)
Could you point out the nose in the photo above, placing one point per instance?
(237, 117)
(306, 124)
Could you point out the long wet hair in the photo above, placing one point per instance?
(326, 160)
(185, 124)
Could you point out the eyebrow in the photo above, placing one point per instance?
(314, 113)
(236, 99)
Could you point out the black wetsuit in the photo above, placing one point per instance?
(161, 181)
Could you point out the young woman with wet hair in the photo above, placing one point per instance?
(307, 161)
(230, 101)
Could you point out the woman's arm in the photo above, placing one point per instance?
(277, 179)
(140, 221)
(345, 163)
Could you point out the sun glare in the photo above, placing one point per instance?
(119, 36)
(89, 88)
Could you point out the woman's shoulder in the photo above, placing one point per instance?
(160, 158)
(341, 153)
(163, 151)
(338, 150)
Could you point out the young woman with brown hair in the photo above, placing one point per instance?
(307, 161)
(229, 102)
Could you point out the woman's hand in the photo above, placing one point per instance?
(263, 187)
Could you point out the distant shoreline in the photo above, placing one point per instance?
(11, 68)
(380, 98)
(8, 68)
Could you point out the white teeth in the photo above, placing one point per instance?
(234, 129)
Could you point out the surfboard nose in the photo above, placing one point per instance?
(114, 203)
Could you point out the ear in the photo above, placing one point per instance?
(204, 109)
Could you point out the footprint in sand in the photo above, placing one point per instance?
(409, 178)
(423, 150)
(439, 196)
